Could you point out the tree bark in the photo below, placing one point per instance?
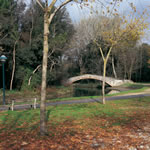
(14, 65)
(48, 16)
(103, 84)
(131, 69)
(141, 64)
(113, 67)
(31, 30)
(43, 129)
(105, 59)
(125, 66)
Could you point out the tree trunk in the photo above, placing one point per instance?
(141, 64)
(131, 69)
(14, 65)
(31, 30)
(43, 130)
(105, 59)
(113, 67)
(103, 84)
(125, 66)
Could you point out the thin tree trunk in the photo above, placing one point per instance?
(103, 84)
(31, 30)
(131, 68)
(125, 74)
(141, 63)
(48, 16)
(125, 67)
(14, 65)
(43, 129)
(105, 59)
(113, 66)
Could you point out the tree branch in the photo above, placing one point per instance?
(100, 49)
(4, 37)
(29, 81)
(57, 9)
(40, 4)
(109, 52)
(51, 5)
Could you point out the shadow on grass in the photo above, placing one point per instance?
(49, 112)
(11, 121)
(97, 100)
(22, 120)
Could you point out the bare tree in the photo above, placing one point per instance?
(107, 33)
(49, 14)
(16, 36)
(112, 33)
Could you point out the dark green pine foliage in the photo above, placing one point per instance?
(26, 23)
(29, 55)
(10, 14)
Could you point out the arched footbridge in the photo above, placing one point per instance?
(110, 81)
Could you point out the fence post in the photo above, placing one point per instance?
(35, 103)
(12, 105)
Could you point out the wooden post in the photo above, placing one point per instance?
(12, 106)
(34, 103)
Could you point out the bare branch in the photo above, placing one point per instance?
(51, 53)
(100, 49)
(4, 37)
(57, 9)
(51, 5)
(40, 4)
(29, 81)
(108, 54)
(53, 63)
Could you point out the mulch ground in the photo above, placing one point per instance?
(90, 134)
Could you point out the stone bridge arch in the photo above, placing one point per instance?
(110, 81)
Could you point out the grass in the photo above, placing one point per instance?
(29, 119)
(129, 91)
(136, 85)
(87, 97)
(92, 97)
(137, 88)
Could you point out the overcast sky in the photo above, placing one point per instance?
(76, 13)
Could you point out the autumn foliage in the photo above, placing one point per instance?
(128, 128)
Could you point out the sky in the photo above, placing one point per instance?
(124, 8)
(76, 13)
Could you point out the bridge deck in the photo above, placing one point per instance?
(109, 80)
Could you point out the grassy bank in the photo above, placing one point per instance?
(64, 94)
(74, 111)
(79, 126)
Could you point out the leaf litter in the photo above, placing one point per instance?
(106, 133)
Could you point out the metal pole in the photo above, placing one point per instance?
(3, 63)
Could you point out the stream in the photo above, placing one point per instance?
(90, 90)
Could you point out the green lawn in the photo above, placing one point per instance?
(136, 88)
(29, 119)
(76, 126)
